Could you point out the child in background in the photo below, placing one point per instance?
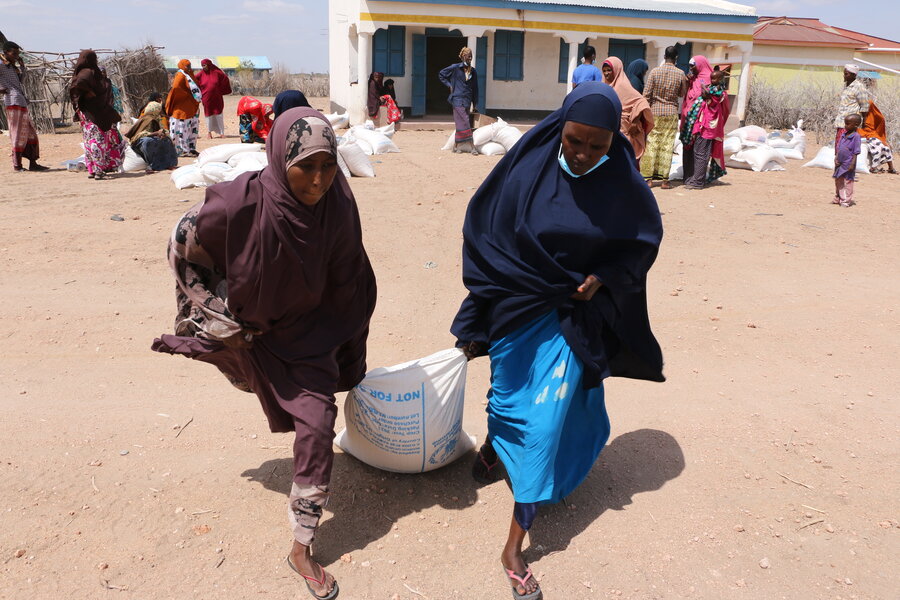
(702, 135)
(845, 161)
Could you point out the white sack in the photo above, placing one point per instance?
(732, 144)
(508, 136)
(408, 418)
(792, 153)
(189, 176)
(450, 142)
(492, 149)
(759, 157)
(483, 135)
(215, 172)
(825, 159)
(357, 161)
(338, 121)
(248, 160)
(676, 168)
(133, 161)
(380, 143)
(223, 152)
(750, 133)
(342, 165)
(387, 130)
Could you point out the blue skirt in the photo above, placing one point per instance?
(546, 428)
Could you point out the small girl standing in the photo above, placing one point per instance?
(848, 147)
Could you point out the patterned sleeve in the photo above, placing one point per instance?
(863, 96)
(201, 288)
(649, 85)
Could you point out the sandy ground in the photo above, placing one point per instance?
(766, 467)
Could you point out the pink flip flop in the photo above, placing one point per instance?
(521, 579)
(334, 591)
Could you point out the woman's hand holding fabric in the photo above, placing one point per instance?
(587, 289)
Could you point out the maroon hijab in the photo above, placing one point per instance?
(213, 87)
(87, 78)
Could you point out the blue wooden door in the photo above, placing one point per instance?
(627, 50)
(481, 69)
(418, 75)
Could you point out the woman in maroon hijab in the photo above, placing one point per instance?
(214, 85)
(275, 289)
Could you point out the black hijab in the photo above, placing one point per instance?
(287, 100)
(533, 233)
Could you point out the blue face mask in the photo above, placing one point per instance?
(565, 166)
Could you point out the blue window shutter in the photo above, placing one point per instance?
(481, 69)
(379, 53)
(418, 75)
(500, 59)
(515, 56)
(396, 66)
(563, 61)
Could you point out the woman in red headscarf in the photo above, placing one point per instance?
(255, 119)
(214, 86)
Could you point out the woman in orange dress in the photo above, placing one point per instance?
(183, 106)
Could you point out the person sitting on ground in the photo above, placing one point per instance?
(287, 100)
(557, 244)
(637, 118)
(255, 120)
(845, 153)
(703, 134)
(874, 134)
(150, 140)
(22, 132)
(665, 86)
(586, 71)
(157, 97)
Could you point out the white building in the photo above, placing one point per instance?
(525, 50)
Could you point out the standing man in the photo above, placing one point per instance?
(665, 86)
(463, 83)
(21, 129)
(586, 71)
(854, 100)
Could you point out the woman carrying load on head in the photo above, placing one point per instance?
(91, 94)
(462, 80)
(637, 117)
(558, 241)
(255, 120)
(150, 140)
(214, 86)
(183, 106)
(275, 289)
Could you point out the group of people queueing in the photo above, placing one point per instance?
(275, 289)
(661, 104)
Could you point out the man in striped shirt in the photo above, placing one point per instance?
(21, 128)
(665, 86)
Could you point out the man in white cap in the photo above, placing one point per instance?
(854, 100)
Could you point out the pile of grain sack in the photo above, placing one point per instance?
(496, 138)
(226, 162)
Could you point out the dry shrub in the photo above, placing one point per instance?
(246, 82)
(780, 106)
(137, 73)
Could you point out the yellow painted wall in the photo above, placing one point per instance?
(783, 74)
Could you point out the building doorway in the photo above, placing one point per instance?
(440, 51)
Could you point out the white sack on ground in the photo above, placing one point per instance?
(508, 136)
(338, 121)
(676, 168)
(133, 161)
(355, 158)
(750, 133)
(223, 152)
(189, 176)
(246, 159)
(342, 165)
(825, 159)
(450, 141)
(215, 172)
(379, 143)
(732, 144)
(492, 149)
(408, 418)
(759, 158)
(387, 130)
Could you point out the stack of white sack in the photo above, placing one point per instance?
(372, 141)
(220, 163)
(338, 121)
(825, 159)
(408, 418)
(746, 148)
(493, 139)
(794, 147)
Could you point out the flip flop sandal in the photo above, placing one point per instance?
(481, 470)
(521, 579)
(330, 596)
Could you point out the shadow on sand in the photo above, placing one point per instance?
(366, 502)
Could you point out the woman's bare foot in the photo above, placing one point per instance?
(317, 578)
(209, 134)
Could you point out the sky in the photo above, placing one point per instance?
(290, 32)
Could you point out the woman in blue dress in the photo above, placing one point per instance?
(558, 241)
